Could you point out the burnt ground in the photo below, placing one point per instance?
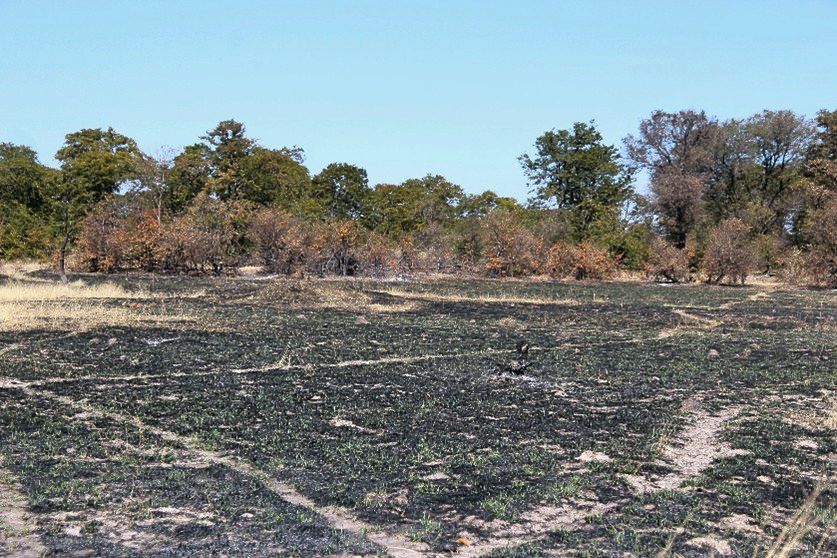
(378, 418)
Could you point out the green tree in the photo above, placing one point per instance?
(678, 150)
(94, 164)
(24, 186)
(413, 205)
(575, 170)
(781, 140)
(277, 178)
(342, 190)
(189, 176)
(228, 147)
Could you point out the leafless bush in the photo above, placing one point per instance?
(668, 263)
(729, 252)
(279, 240)
(822, 232)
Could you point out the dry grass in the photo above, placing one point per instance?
(77, 306)
(19, 270)
(40, 291)
(485, 299)
(803, 522)
(325, 294)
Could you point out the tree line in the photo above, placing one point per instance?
(728, 198)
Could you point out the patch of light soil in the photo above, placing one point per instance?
(694, 449)
(18, 536)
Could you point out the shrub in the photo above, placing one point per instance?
(668, 263)
(429, 250)
(334, 245)
(137, 241)
(210, 237)
(511, 248)
(279, 240)
(594, 263)
(560, 261)
(378, 256)
(97, 249)
(729, 252)
(822, 234)
(794, 267)
(581, 261)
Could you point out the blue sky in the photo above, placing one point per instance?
(459, 88)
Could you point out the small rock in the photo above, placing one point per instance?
(594, 456)
(742, 523)
(361, 320)
(713, 353)
(806, 444)
(718, 546)
(437, 476)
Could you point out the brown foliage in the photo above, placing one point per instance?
(511, 249)
(209, 237)
(668, 263)
(97, 249)
(378, 256)
(581, 261)
(729, 252)
(334, 246)
(280, 241)
(822, 232)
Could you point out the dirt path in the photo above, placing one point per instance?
(18, 535)
(693, 450)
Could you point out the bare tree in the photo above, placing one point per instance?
(678, 149)
(154, 178)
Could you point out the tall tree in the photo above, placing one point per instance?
(277, 178)
(413, 205)
(190, 175)
(24, 186)
(575, 170)
(342, 190)
(677, 148)
(153, 179)
(780, 139)
(228, 147)
(94, 164)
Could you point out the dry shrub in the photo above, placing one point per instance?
(581, 261)
(378, 256)
(429, 250)
(594, 263)
(729, 252)
(822, 233)
(668, 263)
(560, 261)
(137, 241)
(209, 237)
(511, 249)
(334, 247)
(97, 248)
(280, 241)
(794, 267)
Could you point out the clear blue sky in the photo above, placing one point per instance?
(459, 88)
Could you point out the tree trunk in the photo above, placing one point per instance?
(62, 256)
